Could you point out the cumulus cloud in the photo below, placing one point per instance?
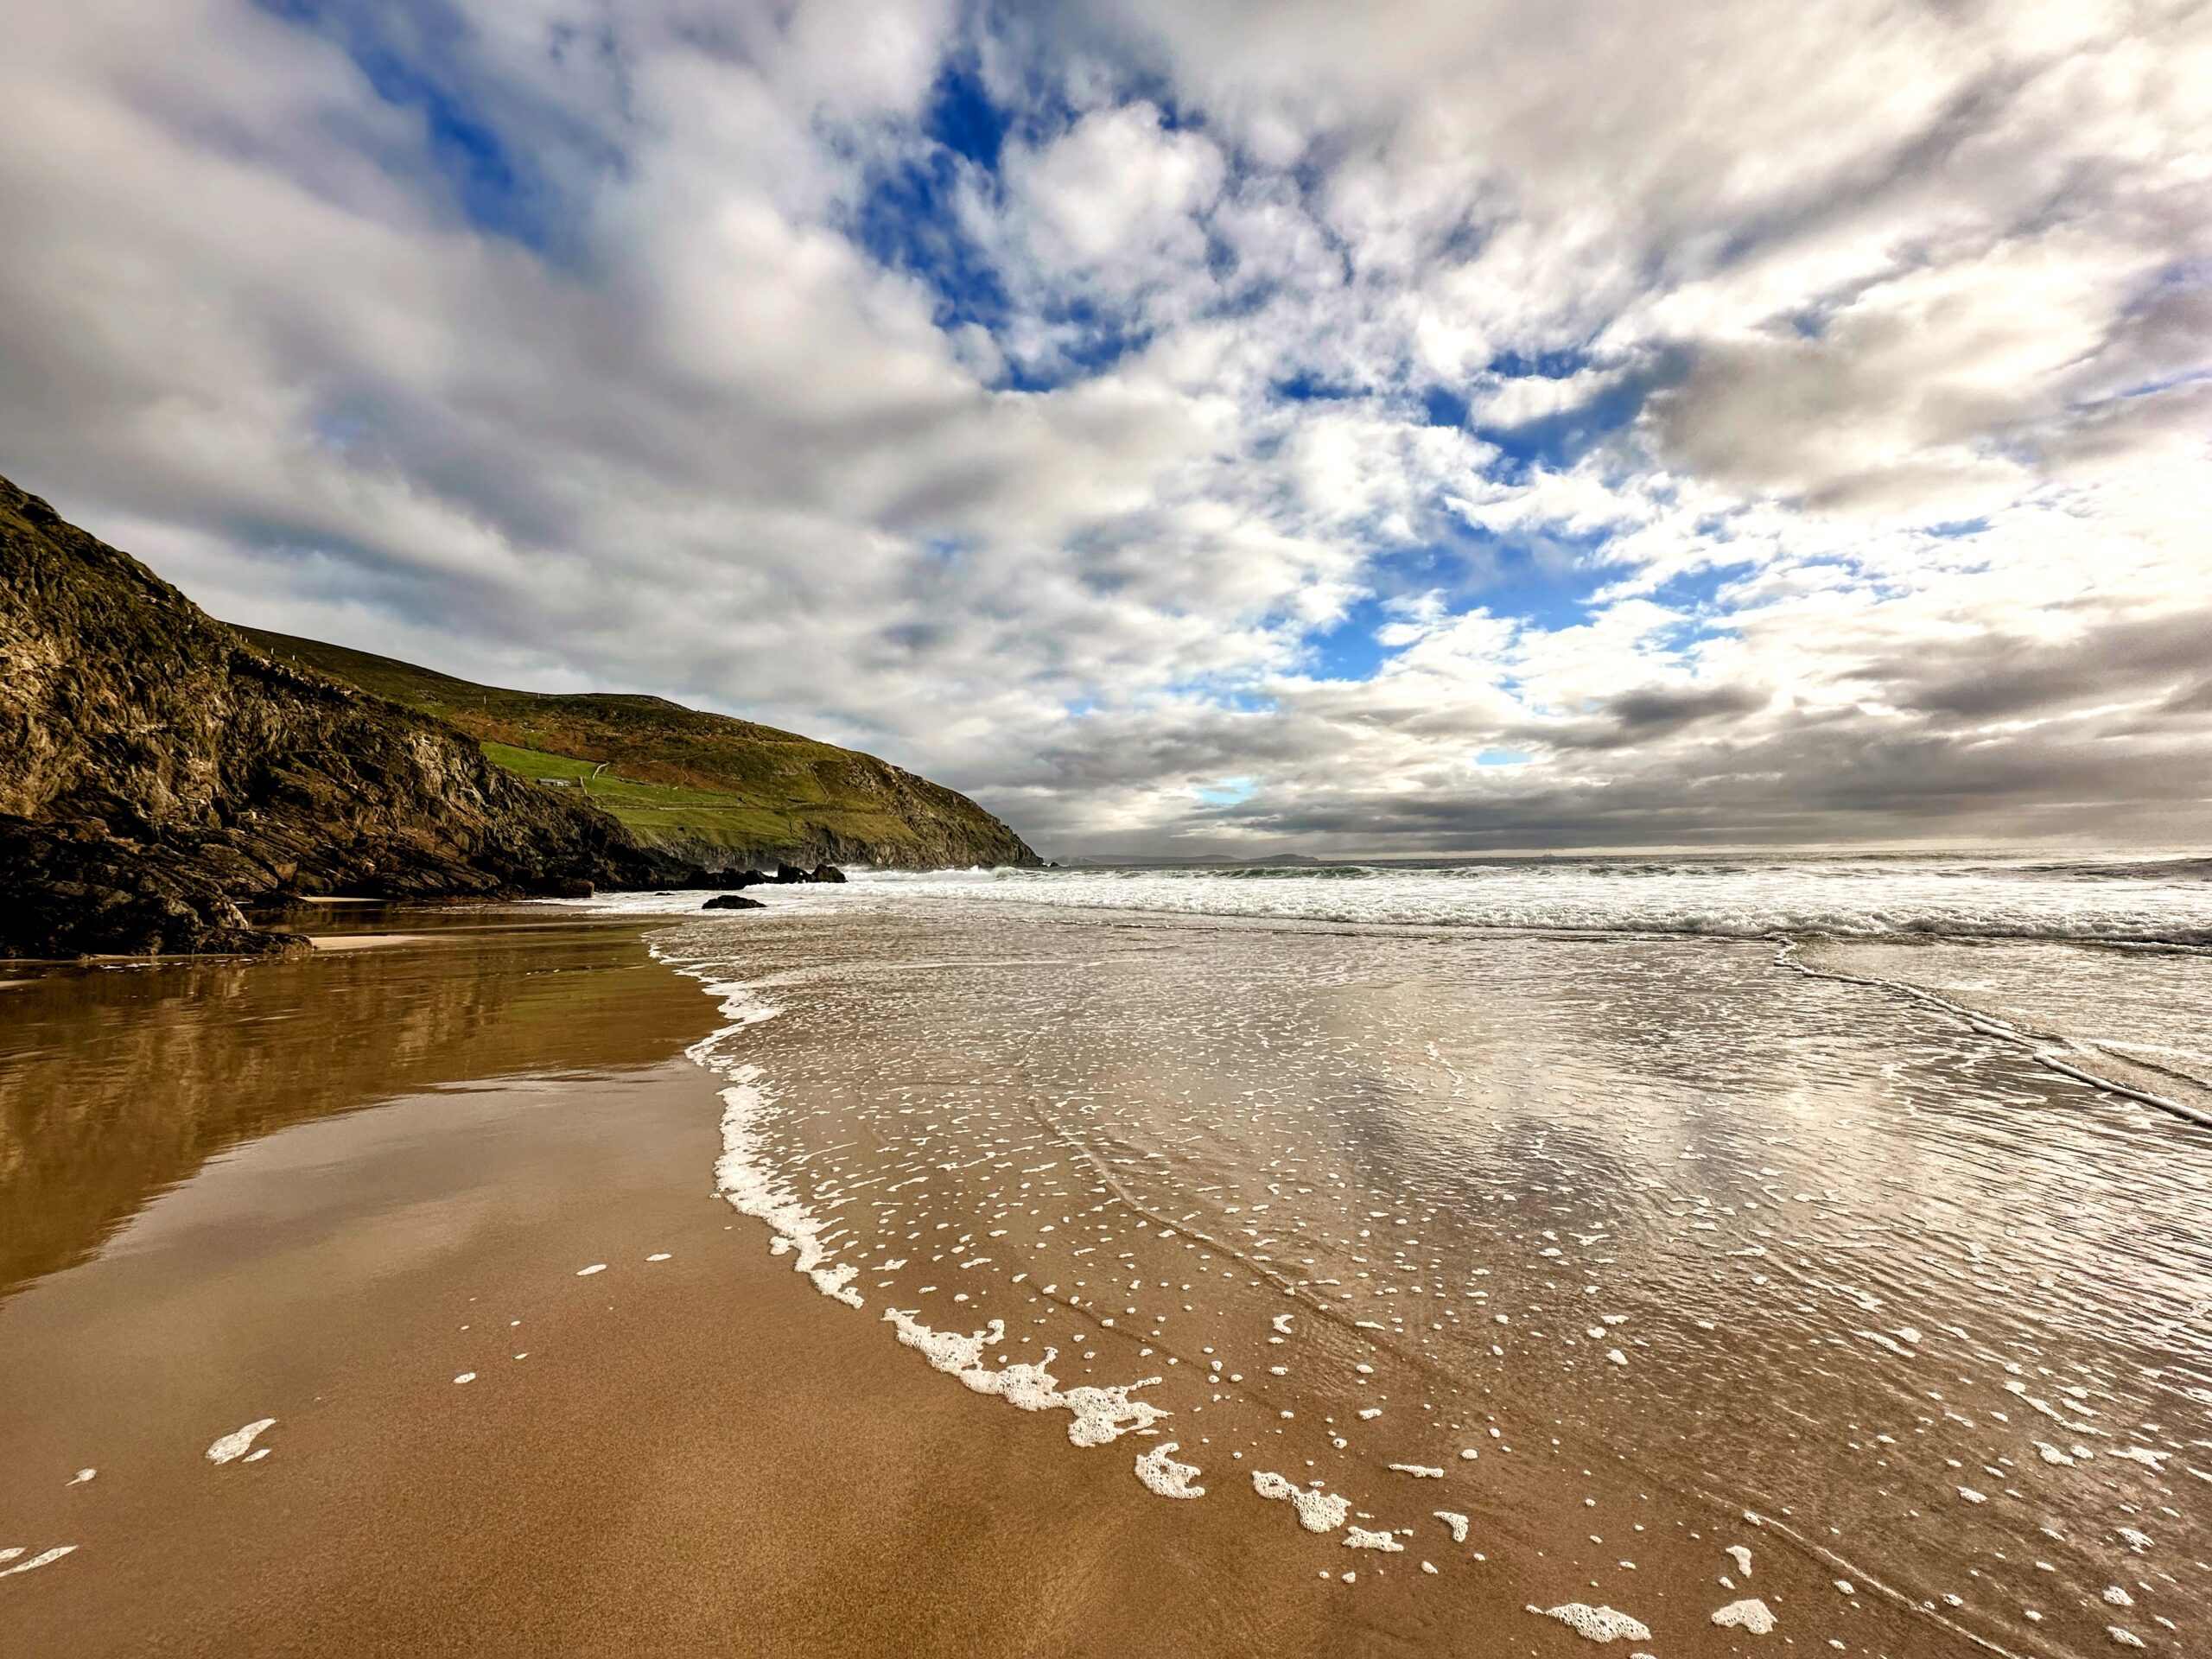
(1203, 425)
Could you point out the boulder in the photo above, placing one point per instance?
(827, 873)
(732, 901)
(71, 895)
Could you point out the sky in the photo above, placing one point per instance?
(1188, 426)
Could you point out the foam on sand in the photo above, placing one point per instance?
(1454, 1520)
(1418, 1471)
(1596, 1623)
(1360, 1538)
(1318, 1511)
(1741, 1555)
(236, 1444)
(743, 1173)
(1165, 1476)
(1752, 1615)
(741, 1176)
(1101, 1414)
(36, 1562)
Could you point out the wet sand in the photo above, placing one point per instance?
(321, 1192)
(666, 1470)
(696, 1455)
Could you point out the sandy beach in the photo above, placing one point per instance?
(975, 831)
(651, 1457)
(445, 1210)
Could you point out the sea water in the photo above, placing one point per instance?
(1856, 1201)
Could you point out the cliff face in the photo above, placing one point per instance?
(706, 788)
(156, 770)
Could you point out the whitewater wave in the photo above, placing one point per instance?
(2148, 902)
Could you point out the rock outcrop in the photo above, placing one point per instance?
(158, 772)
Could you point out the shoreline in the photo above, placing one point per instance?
(663, 1472)
(680, 1445)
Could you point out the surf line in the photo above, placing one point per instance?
(743, 1179)
(2033, 1044)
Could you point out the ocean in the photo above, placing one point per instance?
(1607, 1217)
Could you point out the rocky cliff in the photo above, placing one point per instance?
(157, 771)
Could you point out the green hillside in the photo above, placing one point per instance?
(719, 790)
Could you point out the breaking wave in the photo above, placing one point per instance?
(2148, 902)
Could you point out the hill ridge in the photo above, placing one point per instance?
(715, 790)
(158, 772)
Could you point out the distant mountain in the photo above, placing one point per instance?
(706, 788)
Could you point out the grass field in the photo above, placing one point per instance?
(674, 811)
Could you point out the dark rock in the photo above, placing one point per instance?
(71, 895)
(693, 878)
(787, 874)
(156, 772)
(567, 887)
(733, 901)
(827, 873)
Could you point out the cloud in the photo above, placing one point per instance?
(1204, 424)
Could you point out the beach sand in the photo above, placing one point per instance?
(323, 1192)
(698, 1454)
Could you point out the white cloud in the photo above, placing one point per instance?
(597, 368)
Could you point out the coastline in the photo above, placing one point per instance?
(389, 1154)
(666, 1471)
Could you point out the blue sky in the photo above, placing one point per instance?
(1195, 427)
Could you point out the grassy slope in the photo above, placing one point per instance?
(674, 775)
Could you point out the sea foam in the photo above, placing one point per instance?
(1318, 1511)
(45, 1558)
(1596, 1623)
(1100, 1414)
(1164, 1476)
(1750, 1614)
(230, 1447)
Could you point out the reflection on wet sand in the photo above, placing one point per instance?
(1459, 1289)
(1604, 1243)
(117, 1082)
